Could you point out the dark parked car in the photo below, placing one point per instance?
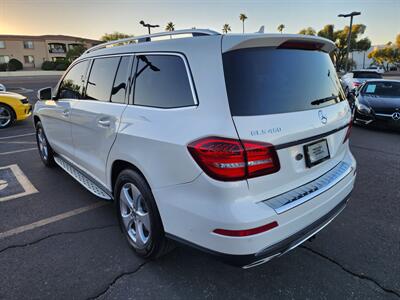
(378, 102)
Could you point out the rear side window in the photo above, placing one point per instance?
(119, 87)
(71, 86)
(366, 75)
(101, 78)
(162, 81)
(262, 81)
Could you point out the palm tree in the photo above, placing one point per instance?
(242, 18)
(226, 28)
(170, 26)
(281, 27)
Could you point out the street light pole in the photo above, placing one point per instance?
(351, 15)
(148, 26)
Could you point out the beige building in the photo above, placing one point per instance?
(32, 51)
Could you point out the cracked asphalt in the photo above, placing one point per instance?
(85, 256)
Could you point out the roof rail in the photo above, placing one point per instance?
(148, 37)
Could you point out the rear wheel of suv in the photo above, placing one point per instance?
(138, 215)
(45, 151)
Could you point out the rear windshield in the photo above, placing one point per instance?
(366, 75)
(263, 81)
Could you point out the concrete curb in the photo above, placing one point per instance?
(30, 73)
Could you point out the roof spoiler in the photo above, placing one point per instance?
(282, 41)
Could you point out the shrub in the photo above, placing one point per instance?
(14, 65)
(48, 65)
(3, 67)
(62, 65)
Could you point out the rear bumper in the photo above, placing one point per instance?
(278, 249)
(191, 212)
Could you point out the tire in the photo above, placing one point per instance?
(45, 151)
(7, 116)
(138, 216)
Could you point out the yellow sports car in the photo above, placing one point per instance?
(13, 107)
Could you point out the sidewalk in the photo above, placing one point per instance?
(30, 73)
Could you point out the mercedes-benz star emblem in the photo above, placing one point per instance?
(323, 118)
(396, 116)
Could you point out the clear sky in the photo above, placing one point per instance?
(92, 18)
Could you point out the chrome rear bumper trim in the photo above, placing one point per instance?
(308, 191)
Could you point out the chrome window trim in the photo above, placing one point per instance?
(188, 74)
(310, 190)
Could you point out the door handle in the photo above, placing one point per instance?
(65, 113)
(104, 123)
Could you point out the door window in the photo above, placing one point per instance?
(162, 81)
(119, 87)
(101, 78)
(72, 85)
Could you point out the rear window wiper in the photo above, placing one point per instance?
(323, 100)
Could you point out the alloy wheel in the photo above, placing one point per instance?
(5, 116)
(135, 216)
(43, 148)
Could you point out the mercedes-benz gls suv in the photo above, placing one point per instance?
(234, 144)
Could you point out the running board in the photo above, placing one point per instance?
(83, 179)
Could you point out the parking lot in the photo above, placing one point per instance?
(59, 241)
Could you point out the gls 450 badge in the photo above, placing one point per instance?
(265, 131)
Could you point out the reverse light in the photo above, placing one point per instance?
(246, 232)
(230, 159)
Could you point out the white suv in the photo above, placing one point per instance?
(234, 144)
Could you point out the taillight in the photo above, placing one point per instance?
(246, 232)
(229, 159)
(356, 84)
(346, 137)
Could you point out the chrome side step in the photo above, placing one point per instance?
(83, 179)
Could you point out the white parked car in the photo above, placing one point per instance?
(235, 144)
(378, 69)
(2, 88)
(351, 81)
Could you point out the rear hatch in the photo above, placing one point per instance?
(287, 95)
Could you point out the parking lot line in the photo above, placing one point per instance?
(53, 219)
(16, 136)
(17, 151)
(23, 181)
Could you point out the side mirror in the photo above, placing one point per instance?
(45, 94)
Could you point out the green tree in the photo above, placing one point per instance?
(388, 55)
(328, 32)
(242, 18)
(308, 31)
(74, 52)
(170, 26)
(398, 40)
(226, 28)
(107, 37)
(281, 27)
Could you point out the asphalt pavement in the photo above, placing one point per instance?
(58, 241)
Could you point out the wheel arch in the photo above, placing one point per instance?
(36, 119)
(118, 166)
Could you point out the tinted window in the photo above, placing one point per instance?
(268, 81)
(162, 81)
(366, 75)
(385, 89)
(101, 78)
(119, 88)
(72, 84)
